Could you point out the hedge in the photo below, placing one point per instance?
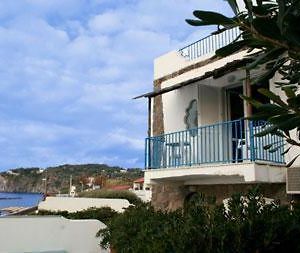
(248, 225)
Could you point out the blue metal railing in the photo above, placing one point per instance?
(209, 44)
(226, 142)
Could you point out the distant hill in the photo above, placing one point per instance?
(58, 178)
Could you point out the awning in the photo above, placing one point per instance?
(216, 73)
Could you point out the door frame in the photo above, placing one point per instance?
(227, 105)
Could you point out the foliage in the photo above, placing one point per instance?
(111, 194)
(270, 31)
(247, 225)
(104, 214)
(58, 178)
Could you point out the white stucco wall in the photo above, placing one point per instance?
(49, 234)
(210, 105)
(77, 204)
(174, 107)
(210, 102)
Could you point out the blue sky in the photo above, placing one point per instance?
(69, 69)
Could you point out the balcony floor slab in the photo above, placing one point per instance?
(234, 173)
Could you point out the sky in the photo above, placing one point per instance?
(69, 70)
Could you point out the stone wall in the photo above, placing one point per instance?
(168, 196)
(172, 196)
(158, 114)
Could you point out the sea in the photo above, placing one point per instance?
(8, 199)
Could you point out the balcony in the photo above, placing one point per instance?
(232, 142)
(209, 44)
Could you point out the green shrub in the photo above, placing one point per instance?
(103, 214)
(112, 194)
(247, 225)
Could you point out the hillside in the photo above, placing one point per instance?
(58, 178)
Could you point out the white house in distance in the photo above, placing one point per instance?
(198, 138)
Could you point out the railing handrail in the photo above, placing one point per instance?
(222, 142)
(199, 128)
(200, 48)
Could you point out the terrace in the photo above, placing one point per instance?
(222, 143)
(209, 44)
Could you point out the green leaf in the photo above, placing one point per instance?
(267, 27)
(266, 131)
(248, 4)
(275, 98)
(286, 151)
(213, 18)
(272, 109)
(265, 57)
(266, 147)
(276, 148)
(289, 124)
(294, 102)
(277, 119)
(194, 22)
(234, 6)
(231, 48)
(292, 161)
(289, 92)
(252, 101)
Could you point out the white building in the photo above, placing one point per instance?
(198, 138)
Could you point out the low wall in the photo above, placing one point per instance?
(49, 234)
(55, 204)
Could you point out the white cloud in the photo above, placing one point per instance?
(106, 23)
(69, 69)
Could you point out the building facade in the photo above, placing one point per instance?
(199, 139)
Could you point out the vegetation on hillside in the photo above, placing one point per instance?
(271, 33)
(58, 178)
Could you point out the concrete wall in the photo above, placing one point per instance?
(144, 195)
(49, 234)
(77, 204)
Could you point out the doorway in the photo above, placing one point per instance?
(236, 131)
(235, 103)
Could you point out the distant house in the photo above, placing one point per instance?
(138, 184)
(198, 137)
(10, 172)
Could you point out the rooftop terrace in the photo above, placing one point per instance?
(209, 44)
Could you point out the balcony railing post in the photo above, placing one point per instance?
(252, 143)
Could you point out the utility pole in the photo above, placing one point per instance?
(45, 179)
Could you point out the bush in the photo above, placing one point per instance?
(247, 225)
(104, 214)
(111, 194)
